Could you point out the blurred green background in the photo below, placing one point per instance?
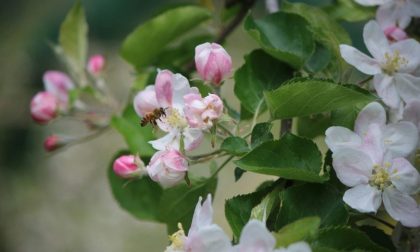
(63, 202)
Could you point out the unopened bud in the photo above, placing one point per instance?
(128, 166)
(213, 63)
(52, 143)
(96, 64)
(394, 33)
(58, 84)
(168, 168)
(44, 107)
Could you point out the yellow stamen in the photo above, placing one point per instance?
(393, 62)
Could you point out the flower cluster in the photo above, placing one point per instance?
(204, 235)
(181, 113)
(54, 101)
(394, 15)
(372, 161)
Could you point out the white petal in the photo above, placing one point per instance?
(400, 139)
(180, 87)
(256, 237)
(353, 167)
(364, 198)
(412, 112)
(401, 207)
(404, 176)
(385, 87)
(337, 137)
(192, 138)
(169, 141)
(408, 86)
(375, 40)
(208, 239)
(203, 215)
(359, 60)
(373, 144)
(371, 2)
(409, 49)
(296, 247)
(371, 113)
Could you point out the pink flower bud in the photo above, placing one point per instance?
(96, 64)
(167, 167)
(58, 84)
(201, 113)
(43, 107)
(52, 143)
(394, 33)
(128, 166)
(213, 63)
(145, 101)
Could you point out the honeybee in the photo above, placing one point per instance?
(152, 117)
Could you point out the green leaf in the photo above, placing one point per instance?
(142, 46)
(313, 125)
(136, 137)
(307, 200)
(238, 172)
(260, 72)
(291, 157)
(302, 97)
(346, 116)
(345, 239)
(261, 133)
(73, 38)
(235, 145)
(350, 11)
(265, 207)
(319, 59)
(325, 31)
(299, 230)
(177, 204)
(238, 209)
(140, 197)
(284, 36)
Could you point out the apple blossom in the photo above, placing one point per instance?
(145, 101)
(44, 106)
(170, 90)
(213, 63)
(393, 66)
(395, 11)
(203, 235)
(167, 167)
(96, 64)
(373, 180)
(58, 84)
(202, 112)
(256, 237)
(128, 166)
(397, 139)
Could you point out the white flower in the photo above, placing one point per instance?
(398, 12)
(393, 66)
(204, 235)
(170, 90)
(256, 238)
(371, 162)
(372, 134)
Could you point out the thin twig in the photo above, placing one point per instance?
(361, 83)
(225, 129)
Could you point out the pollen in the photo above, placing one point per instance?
(175, 119)
(393, 62)
(380, 177)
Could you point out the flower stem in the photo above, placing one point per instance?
(225, 129)
(221, 166)
(381, 221)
